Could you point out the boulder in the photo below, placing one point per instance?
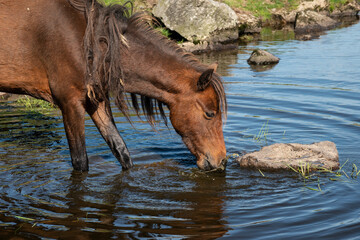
(314, 16)
(248, 23)
(277, 21)
(316, 5)
(261, 57)
(311, 21)
(320, 155)
(198, 20)
(350, 9)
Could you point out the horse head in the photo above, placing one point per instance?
(196, 115)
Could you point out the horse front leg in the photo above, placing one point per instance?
(74, 122)
(104, 121)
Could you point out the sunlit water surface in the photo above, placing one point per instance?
(313, 94)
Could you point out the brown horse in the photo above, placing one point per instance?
(76, 53)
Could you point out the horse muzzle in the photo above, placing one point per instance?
(209, 165)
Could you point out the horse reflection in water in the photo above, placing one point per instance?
(77, 53)
(123, 212)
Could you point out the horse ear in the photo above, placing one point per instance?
(205, 79)
(214, 66)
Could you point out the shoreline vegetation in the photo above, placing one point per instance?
(265, 9)
(297, 19)
(258, 8)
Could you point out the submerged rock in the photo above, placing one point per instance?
(261, 57)
(199, 20)
(261, 68)
(320, 155)
(307, 37)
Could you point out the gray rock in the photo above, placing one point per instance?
(320, 155)
(349, 9)
(315, 16)
(261, 57)
(248, 23)
(311, 21)
(315, 5)
(290, 17)
(198, 20)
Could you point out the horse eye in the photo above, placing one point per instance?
(209, 114)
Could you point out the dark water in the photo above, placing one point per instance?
(313, 94)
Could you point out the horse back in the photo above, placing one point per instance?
(40, 47)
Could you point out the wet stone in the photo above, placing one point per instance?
(261, 57)
(319, 155)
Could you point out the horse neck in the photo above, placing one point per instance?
(156, 75)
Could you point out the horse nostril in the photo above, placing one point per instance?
(207, 165)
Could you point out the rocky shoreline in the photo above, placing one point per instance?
(208, 25)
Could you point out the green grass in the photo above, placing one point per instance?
(262, 8)
(108, 2)
(311, 177)
(263, 133)
(337, 3)
(33, 104)
(164, 31)
(304, 170)
(138, 5)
